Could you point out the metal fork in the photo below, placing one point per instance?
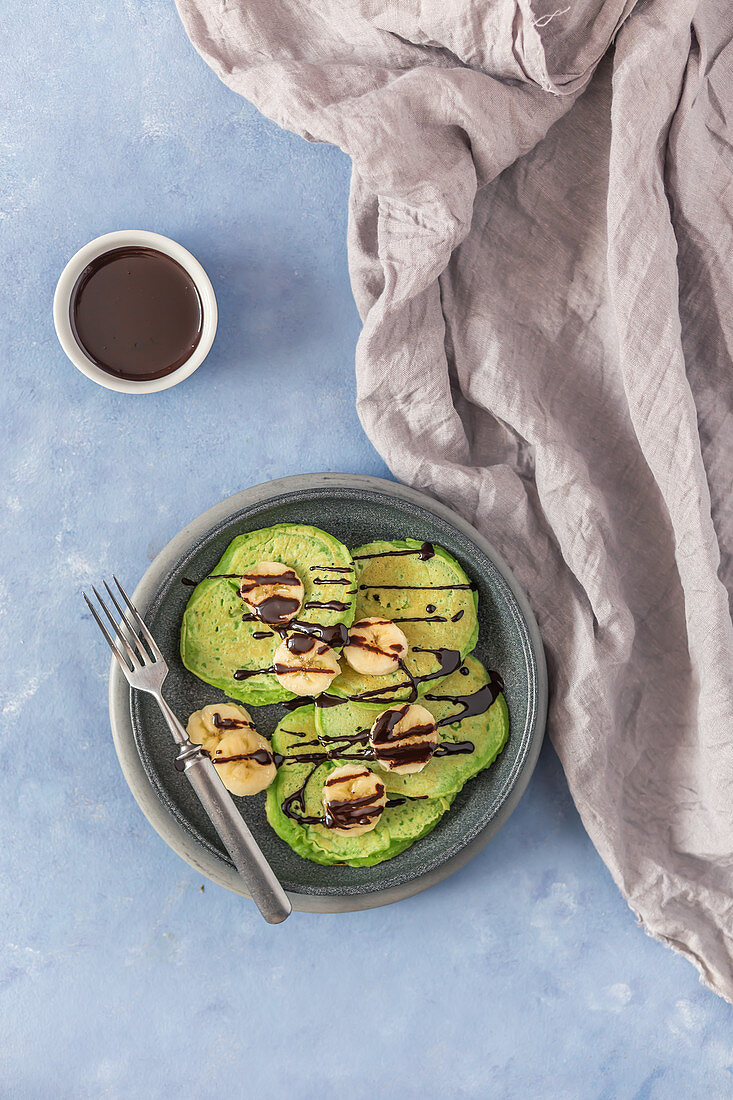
(144, 666)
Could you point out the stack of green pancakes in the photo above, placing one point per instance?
(419, 587)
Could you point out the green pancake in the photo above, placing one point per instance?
(438, 577)
(215, 642)
(398, 826)
(443, 776)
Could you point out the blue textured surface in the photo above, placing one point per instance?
(524, 975)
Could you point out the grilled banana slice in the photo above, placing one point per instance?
(353, 800)
(305, 665)
(375, 647)
(206, 727)
(404, 738)
(244, 762)
(273, 591)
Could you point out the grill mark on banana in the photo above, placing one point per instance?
(375, 647)
(304, 665)
(273, 591)
(403, 739)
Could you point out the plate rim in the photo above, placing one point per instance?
(161, 818)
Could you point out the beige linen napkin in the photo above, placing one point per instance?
(541, 249)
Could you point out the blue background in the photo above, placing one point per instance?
(124, 973)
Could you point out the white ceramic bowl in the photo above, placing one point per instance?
(133, 238)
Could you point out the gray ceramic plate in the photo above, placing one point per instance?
(357, 510)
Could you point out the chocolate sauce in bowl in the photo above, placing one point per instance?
(136, 313)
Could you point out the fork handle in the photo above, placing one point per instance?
(262, 883)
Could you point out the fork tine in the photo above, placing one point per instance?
(139, 620)
(134, 659)
(110, 642)
(134, 637)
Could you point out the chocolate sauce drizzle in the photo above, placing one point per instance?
(470, 587)
(328, 605)
(335, 636)
(338, 813)
(331, 568)
(346, 813)
(432, 618)
(276, 609)
(300, 644)
(384, 743)
(230, 723)
(385, 739)
(478, 702)
(424, 553)
(449, 661)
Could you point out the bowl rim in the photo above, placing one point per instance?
(161, 817)
(131, 238)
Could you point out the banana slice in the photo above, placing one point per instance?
(244, 762)
(403, 739)
(274, 592)
(206, 727)
(353, 800)
(305, 665)
(375, 647)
